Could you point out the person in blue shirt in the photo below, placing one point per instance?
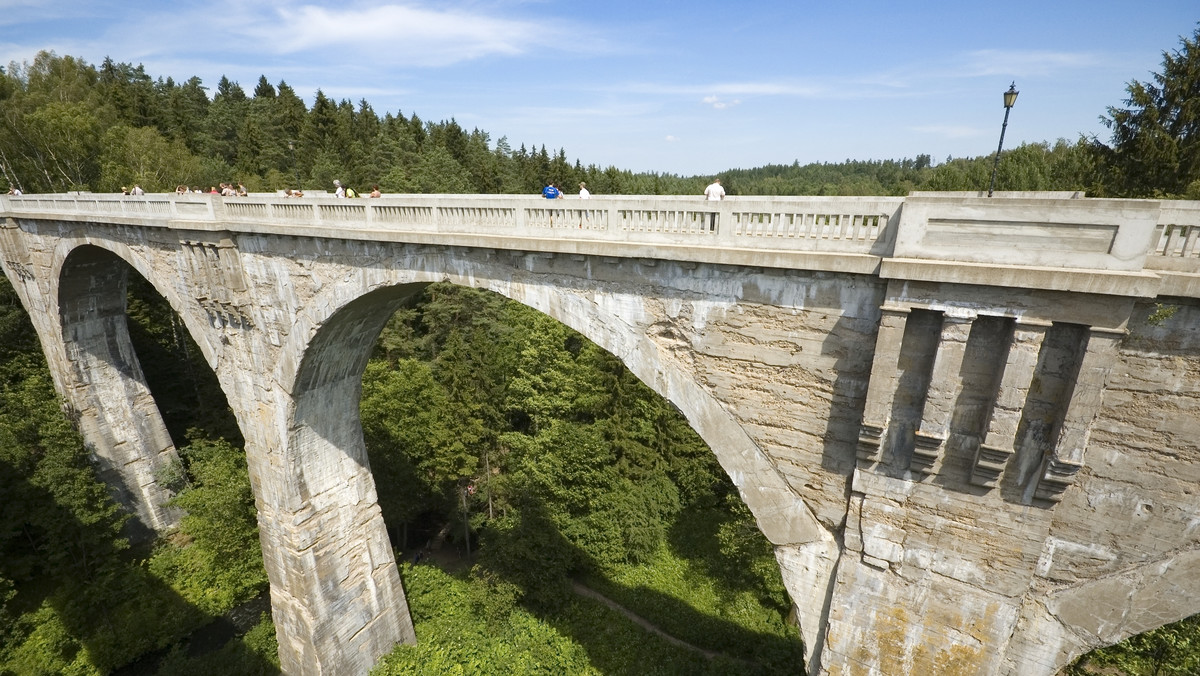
(551, 193)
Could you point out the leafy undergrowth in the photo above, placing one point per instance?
(714, 589)
(1171, 650)
(254, 654)
(460, 632)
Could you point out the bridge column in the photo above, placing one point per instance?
(1084, 405)
(998, 444)
(945, 384)
(881, 389)
(336, 595)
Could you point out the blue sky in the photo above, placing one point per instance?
(689, 87)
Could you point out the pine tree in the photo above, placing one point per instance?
(1156, 139)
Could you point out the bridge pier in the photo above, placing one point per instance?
(336, 596)
(949, 524)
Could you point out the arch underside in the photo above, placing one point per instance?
(107, 390)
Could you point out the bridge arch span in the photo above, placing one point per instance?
(325, 434)
(341, 341)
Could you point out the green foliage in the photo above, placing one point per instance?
(454, 638)
(716, 585)
(1171, 650)
(1155, 146)
(412, 442)
(1162, 312)
(143, 157)
(254, 654)
(48, 649)
(581, 637)
(221, 563)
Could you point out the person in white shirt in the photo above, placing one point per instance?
(583, 191)
(714, 193)
(338, 191)
(137, 190)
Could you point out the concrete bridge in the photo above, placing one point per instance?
(968, 425)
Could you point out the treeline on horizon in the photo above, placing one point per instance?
(69, 125)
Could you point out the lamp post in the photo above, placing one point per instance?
(1010, 97)
(292, 148)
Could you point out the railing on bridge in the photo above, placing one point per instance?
(843, 225)
(1177, 239)
(855, 229)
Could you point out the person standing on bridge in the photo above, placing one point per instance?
(714, 193)
(338, 190)
(551, 192)
(583, 192)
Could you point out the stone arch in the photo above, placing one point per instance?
(102, 379)
(327, 446)
(782, 515)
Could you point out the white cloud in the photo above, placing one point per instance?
(418, 36)
(384, 37)
(988, 63)
(719, 103)
(671, 139)
(20, 11)
(726, 89)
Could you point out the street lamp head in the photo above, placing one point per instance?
(1010, 96)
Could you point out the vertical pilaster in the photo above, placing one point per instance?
(945, 384)
(1067, 457)
(881, 389)
(999, 441)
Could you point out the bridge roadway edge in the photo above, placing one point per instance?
(1093, 554)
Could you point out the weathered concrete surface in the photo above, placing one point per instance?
(960, 474)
